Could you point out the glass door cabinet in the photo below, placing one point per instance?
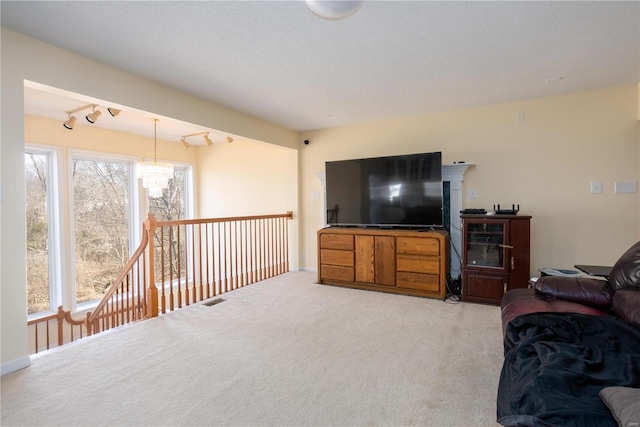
(495, 256)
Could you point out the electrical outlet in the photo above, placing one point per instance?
(625, 187)
(596, 187)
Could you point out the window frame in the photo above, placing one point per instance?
(135, 225)
(55, 229)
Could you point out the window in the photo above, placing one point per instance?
(38, 170)
(74, 266)
(102, 203)
(173, 205)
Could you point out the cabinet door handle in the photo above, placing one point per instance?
(513, 263)
(505, 246)
(505, 288)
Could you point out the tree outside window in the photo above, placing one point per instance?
(101, 224)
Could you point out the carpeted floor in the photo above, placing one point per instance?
(283, 352)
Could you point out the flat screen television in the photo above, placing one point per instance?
(396, 191)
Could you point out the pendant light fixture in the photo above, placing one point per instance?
(155, 175)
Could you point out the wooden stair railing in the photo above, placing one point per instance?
(42, 330)
(124, 302)
(189, 261)
(198, 259)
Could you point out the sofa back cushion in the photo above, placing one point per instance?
(625, 273)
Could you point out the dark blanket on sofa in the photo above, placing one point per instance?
(557, 363)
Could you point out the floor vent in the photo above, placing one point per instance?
(213, 302)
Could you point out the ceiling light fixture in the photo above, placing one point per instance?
(93, 117)
(205, 136)
(69, 124)
(155, 175)
(229, 139)
(333, 10)
(113, 111)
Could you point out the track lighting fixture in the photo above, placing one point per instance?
(69, 124)
(205, 136)
(92, 117)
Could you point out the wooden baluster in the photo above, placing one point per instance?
(245, 246)
(206, 259)
(234, 269)
(219, 281)
(201, 278)
(178, 272)
(249, 252)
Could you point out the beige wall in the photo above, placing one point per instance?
(251, 178)
(545, 164)
(24, 58)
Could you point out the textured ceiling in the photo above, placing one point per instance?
(277, 61)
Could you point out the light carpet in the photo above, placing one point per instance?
(283, 352)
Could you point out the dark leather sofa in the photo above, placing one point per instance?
(565, 341)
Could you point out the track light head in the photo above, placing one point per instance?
(184, 143)
(229, 139)
(92, 117)
(69, 124)
(113, 111)
(207, 140)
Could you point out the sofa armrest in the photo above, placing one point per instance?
(625, 305)
(590, 292)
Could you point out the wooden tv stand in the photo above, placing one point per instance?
(397, 261)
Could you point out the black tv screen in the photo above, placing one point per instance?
(397, 191)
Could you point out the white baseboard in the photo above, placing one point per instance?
(312, 270)
(15, 365)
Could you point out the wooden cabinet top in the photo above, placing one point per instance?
(438, 234)
(495, 216)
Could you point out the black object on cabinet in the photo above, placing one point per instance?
(495, 256)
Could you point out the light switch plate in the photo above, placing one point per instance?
(625, 187)
(596, 187)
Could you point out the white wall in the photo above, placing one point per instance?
(24, 58)
(545, 164)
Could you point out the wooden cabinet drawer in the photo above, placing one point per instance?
(418, 245)
(419, 263)
(337, 241)
(335, 272)
(420, 281)
(336, 257)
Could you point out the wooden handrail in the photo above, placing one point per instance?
(288, 215)
(99, 313)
